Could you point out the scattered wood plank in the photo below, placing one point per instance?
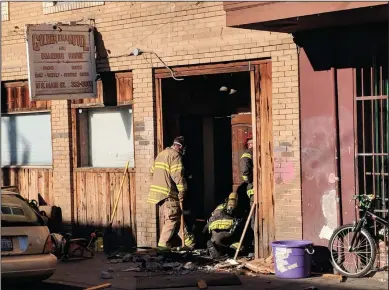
(338, 277)
(260, 266)
(101, 286)
(201, 284)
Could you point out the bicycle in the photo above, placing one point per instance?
(362, 244)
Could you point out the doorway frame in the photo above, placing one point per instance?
(262, 128)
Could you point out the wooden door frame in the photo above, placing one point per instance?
(262, 128)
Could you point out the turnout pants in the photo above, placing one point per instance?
(223, 238)
(172, 219)
(225, 242)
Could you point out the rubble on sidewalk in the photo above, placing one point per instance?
(106, 275)
(184, 262)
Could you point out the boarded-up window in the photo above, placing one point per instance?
(26, 140)
(110, 137)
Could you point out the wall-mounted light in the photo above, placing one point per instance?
(223, 89)
(232, 91)
(136, 52)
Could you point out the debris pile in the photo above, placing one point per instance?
(150, 262)
(182, 263)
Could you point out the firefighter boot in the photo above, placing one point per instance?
(213, 252)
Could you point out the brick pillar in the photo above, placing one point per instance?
(144, 135)
(62, 169)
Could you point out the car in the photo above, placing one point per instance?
(26, 244)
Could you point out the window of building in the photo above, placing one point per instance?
(4, 11)
(26, 140)
(61, 6)
(105, 137)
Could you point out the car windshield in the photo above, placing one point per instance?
(16, 212)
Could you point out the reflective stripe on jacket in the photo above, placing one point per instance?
(168, 176)
(220, 220)
(246, 168)
(222, 224)
(250, 192)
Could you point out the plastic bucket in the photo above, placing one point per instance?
(292, 259)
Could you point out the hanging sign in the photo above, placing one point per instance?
(61, 61)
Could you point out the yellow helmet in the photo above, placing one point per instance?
(232, 202)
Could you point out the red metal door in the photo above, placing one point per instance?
(345, 88)
(320, 200)
(241, 127)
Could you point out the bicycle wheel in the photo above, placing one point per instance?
(358, 262)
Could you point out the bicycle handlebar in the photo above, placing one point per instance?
(365, 196)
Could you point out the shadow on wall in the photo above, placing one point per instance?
(344, 47)
(13, 144)
(12, 140)
(123, 238)
(26, 151)
(127, 122)
(102, 54)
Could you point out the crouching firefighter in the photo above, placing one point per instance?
(224, 226)
(167, 189)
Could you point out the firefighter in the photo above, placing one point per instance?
(224, 226)
(168, 189)
(246, 168)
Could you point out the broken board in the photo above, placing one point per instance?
(260, 266)
(163, 282)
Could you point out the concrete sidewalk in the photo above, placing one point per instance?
(87, 272)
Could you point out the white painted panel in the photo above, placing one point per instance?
(111, 137)
(26, 140)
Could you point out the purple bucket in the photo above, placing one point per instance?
(292, 259)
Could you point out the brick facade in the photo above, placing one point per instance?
(181, 33)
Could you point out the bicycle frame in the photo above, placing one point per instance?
(367, 214)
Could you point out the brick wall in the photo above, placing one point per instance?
(181, 33)
(61, 135)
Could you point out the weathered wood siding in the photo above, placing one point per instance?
(124, 88)
(98, 101)
(31, 182)
(16, 98)
(95, 192)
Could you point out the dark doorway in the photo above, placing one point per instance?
(201, 108)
